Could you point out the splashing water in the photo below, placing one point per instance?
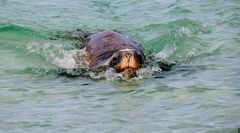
(74, 59)
(58, 55)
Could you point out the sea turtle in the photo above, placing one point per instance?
(111, 49)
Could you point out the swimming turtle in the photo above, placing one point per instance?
(111, 49)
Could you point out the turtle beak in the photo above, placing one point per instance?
(128, 57)
(126, 61)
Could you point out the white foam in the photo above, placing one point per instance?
(167, 51)
(185, 31)
(58, 55)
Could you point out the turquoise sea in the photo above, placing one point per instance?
(200, 94)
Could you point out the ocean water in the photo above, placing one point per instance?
(200, 94)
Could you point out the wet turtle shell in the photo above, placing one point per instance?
(102, 45)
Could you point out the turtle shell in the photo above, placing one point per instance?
(102, 45)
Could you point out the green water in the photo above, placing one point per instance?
(200, 94)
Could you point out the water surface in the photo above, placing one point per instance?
(200, 94)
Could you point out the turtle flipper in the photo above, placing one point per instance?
(163, 64)
(81, 35)
(78, 34)
(166, 66)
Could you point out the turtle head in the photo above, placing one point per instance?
(127, 61)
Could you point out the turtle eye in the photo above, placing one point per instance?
(140, 58)
(113, 61)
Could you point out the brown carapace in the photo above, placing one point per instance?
(109, 48)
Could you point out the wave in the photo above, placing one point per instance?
(11, 32)
(176, 40)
